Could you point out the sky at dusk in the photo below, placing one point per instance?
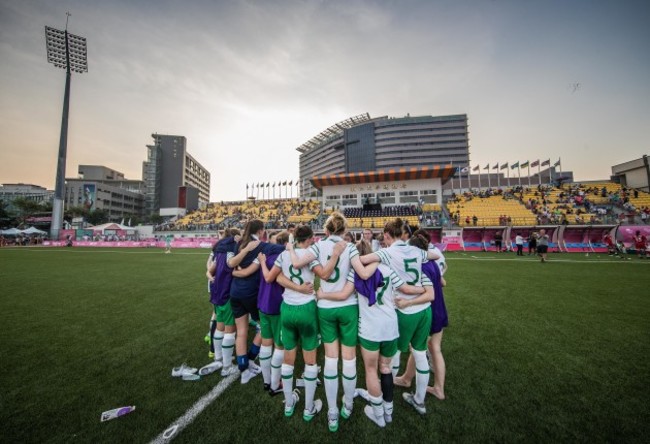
(246, 82)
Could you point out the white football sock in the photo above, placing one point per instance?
(388, 411)
(331, 376)
(217, 340)
(421, 375)
(265, 362)
(395, 364)
(228, 347)
(287, 384)
(311, 375)
(276, 368)
(349, 381)
(377, 404)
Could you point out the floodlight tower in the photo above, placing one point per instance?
(69, 52)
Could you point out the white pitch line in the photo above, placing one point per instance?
(100, 250)
(591, 261)
(177, 426)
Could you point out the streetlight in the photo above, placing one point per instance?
(67, 51)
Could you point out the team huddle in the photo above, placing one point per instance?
(388, 301)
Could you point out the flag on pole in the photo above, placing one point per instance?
(557, 163)
(247, 186)
(504, 166)
(534, 164)
(284, 183)
(291, 182)
(514, 165)
(487, 167)
(465, 170)
(546, 162)
(525, 164)
(496, 166)
(273, 183)
(475, 168)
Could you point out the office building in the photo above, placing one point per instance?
(362, 144)
(100, 188)
(168, 168)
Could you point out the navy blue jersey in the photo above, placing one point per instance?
(242, 288)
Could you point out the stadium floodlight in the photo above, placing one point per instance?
(67, 51)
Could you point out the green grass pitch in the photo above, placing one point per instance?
(554, 352)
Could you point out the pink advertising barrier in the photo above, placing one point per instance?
(451, 240)
(203, 243)
(626, 233)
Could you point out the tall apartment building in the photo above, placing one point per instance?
(168, 168)
(364, 144)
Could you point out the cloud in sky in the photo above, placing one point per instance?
(248, 82)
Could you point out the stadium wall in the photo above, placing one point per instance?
(407, 192)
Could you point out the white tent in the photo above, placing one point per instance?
(33, 230)
(110, 226)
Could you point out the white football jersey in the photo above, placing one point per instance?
(323, 251)
(406, 261)
(378, 322)
(298, 276)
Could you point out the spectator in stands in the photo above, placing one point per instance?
(474, 220)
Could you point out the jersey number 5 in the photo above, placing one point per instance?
(413, 271)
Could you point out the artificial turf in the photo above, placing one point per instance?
(535, 352)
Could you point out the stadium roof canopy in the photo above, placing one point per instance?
(333, 132)
(388, 175)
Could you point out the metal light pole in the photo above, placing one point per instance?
(69, 52)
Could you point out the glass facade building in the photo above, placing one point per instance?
(362, 144)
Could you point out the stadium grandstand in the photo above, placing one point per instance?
(417, 168)
(275, 213)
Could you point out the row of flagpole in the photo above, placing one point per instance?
(267, 188)
(460, 171)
